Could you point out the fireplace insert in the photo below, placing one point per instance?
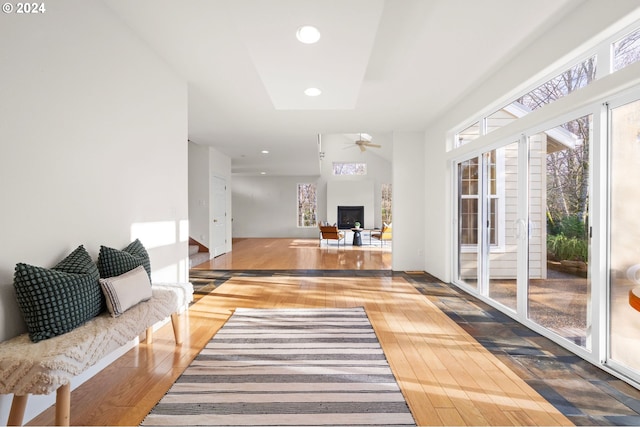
(349, 215)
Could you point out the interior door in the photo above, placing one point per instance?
(219, 213)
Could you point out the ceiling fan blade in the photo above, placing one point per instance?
(374, 145)
(362, 147)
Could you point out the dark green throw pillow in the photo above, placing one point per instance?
(56, 300)
(79, 262)
(114, 262)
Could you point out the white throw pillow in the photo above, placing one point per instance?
(124, 291)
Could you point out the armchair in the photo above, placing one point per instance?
(384, 234)
(330, 232)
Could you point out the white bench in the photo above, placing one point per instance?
(47, 366)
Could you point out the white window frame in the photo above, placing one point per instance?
(499, 245)
(315, 207)
(363, 164)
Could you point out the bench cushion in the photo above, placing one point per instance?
(40, 368)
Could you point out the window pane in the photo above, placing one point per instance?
(502, 218)
(469, 221)
(307, 205)
(468, 135)
(502, 117)
(493, 189)
(624, 322)
(340, 168)
(469, 176)
(626, 51)
(559, 286)
(569, 81)
(493, 221)
(386, 203)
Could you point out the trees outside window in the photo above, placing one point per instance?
(568, 168)
(349, 168)
(386, 203)
(307, 205)
(626, 51)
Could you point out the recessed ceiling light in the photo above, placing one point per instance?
(308, 34)
(263, 173)
(312, 91)
(265, 151)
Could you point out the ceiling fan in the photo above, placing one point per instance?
(364, 143)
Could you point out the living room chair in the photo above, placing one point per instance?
(331, 232)
(384, 235)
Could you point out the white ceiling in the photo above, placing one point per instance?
(383, 66)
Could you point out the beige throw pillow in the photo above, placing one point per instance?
(124, 291)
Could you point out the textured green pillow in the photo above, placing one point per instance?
(56, 300)
(114, 262)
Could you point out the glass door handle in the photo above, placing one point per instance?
(521, 228)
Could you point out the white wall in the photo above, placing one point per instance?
(93, 147)
(205, 163)
(339, 148)
(199, 196)
(266, 206)
(555, 47)
(350, 193)
(409, 201)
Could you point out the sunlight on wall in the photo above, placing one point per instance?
(164, 240)
(183, 230)
(172, 273)
(154, 234)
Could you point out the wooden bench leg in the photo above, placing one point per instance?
(149, 339)
(177, 331)
(18, 405)
(63, 405)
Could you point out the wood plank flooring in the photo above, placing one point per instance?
(301, 254)
(447, 377)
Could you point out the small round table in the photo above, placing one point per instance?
(357, 238)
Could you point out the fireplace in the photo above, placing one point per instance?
(349, 215)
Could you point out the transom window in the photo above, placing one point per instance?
(349, 168)
(624, 50)
(574, 78)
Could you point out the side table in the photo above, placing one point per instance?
(357, 237)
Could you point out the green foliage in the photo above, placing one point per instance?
(567, 239)
(567, 248)
(569, 226)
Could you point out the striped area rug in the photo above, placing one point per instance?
(302, 367)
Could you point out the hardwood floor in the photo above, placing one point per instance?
(447, 377)
(301, 254)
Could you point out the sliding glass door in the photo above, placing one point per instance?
(487, 217)
(624, 268)
(559, 287)
(468, 221)
(548, 230)
(523, 235)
